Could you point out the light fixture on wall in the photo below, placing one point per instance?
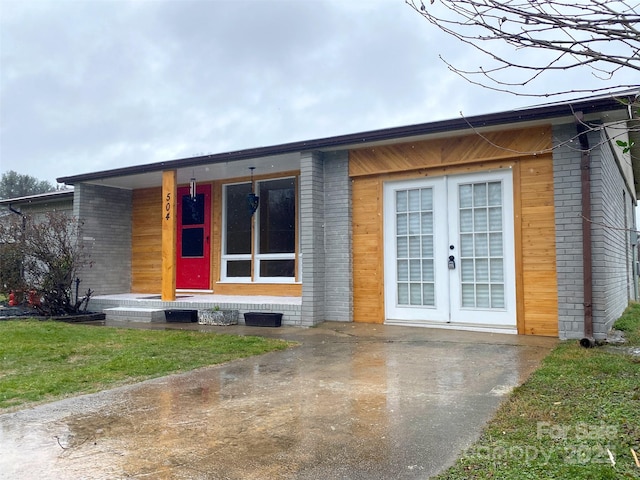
(192, 187)
(252, 199)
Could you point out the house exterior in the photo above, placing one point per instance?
(34, 205)
(518, 222)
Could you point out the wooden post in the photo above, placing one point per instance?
(169, 235)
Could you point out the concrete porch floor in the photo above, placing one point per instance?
(141, 307)
(352, 401)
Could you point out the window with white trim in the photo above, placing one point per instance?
(262, 247)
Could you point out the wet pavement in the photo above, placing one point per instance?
(352, 401)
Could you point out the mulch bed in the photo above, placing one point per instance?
(21, 312)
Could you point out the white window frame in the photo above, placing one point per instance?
(255, 257)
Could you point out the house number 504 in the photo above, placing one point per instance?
(167, 207)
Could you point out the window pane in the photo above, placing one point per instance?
(495, 219)
(428, 272)
(192, 242)
(238, 219)
(482, 249)
(495, 193)
(402, 247)
(415, 270)
(468, 295)
(466, 245)
(497, 270)
(495, 244)
(414, 200)
(427, 246)
(401, 201)
(428, 294)
(239, 268)
(482, 296)
(277, 268)
(467, 270)
(414, 224)
(480, 195)
(465, 196)
(497, 296)
(415, 290)
(427, 199)
(401, 224)
(277, 216)
(414, 247)
(480, 220)
(193, 210)
(403, 270)
(466, 222)
(482, 270)
(403, 294)
(427, 223)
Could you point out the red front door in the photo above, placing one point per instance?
(194, 230)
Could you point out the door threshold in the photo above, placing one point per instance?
(469, 327)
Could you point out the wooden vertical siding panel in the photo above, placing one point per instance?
(526, 150)
(368, 297)
(146, 258)
(540, 286)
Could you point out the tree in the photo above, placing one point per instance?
(44, 255)
(14, 185)
(601, 35)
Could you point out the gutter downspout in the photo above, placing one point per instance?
(587, 264)
(18, 212)
(24, 227)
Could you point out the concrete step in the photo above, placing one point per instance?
(135, 314)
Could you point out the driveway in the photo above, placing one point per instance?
(352, 401)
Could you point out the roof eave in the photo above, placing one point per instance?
(354, 140)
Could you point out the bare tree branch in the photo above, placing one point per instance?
(601, 35)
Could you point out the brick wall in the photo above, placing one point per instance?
(106, 234)
(612, 215)
(338, 271)
(312, 245)
(611, 255)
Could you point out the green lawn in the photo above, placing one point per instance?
(45, 360)
(577, 417)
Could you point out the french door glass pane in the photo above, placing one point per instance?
(482, 275)
(415, 274)
(495, 193)
(402, 248)
(497, 296)
(401, 201)
(403, 293)
(403, 270)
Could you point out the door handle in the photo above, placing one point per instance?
(452, 262)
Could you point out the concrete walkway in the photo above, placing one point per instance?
(353, 401)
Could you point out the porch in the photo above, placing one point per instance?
(141, 307)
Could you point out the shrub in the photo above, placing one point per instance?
(44, 254)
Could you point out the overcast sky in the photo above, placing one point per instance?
(89, 85)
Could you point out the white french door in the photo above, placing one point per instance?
(449, 254)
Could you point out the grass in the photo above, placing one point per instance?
(577, 417)
(44, 361)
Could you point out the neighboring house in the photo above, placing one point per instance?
(34, 205)
(473, 223)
